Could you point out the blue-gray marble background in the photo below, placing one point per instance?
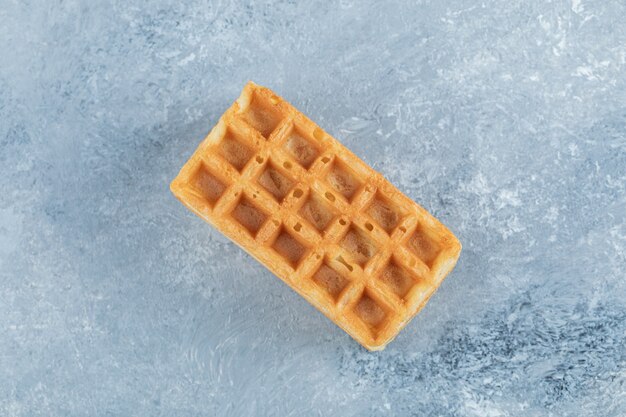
(505, 119)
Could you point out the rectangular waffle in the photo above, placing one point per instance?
(317, 216)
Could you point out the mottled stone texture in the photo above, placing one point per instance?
(506, 120)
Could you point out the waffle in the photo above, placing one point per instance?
(317, 216)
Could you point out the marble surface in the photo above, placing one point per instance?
(506, 120)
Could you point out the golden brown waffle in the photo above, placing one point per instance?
(317, 216)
